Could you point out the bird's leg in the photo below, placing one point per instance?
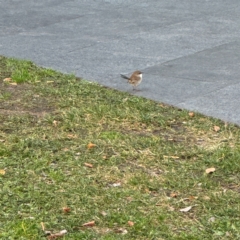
(135, 88)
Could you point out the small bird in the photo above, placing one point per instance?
(135, 78)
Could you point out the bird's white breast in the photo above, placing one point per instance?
(140, 75)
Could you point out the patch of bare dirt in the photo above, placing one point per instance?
(23, 99)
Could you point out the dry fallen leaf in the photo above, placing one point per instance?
(191, 198)
(7, 79)
(228, 234)
(103, 213)
(171, 209)
(130, 223)
(88, 165)
(121, 230)
(57, 235)
(210, 170)
(91, 145)
(55, 123)
(216, 128)
(191, 114)
(207, 198)
(2, 172)
(118, 184)
(173, 195)
(49, 81)
(71, 136)
(66, 209)
(187, 209)
(13, 84)
(89, 224)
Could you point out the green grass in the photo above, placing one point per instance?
(155, 154)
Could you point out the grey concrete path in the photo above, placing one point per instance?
(189, 50)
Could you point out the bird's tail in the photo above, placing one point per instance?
(125, 77)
